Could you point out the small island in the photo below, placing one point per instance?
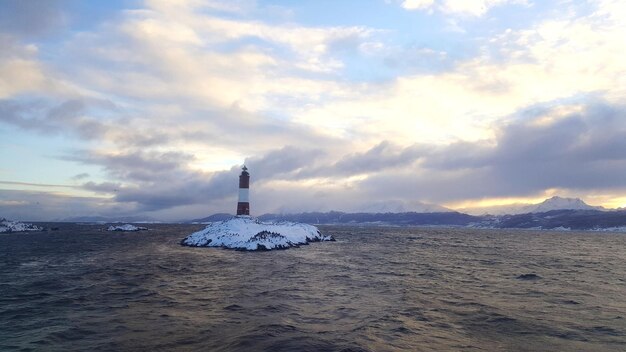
(244, 232)
(126, 228)
(8, 226)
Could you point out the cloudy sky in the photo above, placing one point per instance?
(151, 107)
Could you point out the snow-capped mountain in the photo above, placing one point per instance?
(400, 206)
(558, 203)
(554, 203)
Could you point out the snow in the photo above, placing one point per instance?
(247, 233)
(401, 206)
(611, 229)
(559, 203)
(554, 203)
(126, 227)
(7, 226)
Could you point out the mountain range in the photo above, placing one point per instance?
(563, 219)
(401, 206)
(554, 203)
(553, 213)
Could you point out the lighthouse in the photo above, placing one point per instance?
(243, 205)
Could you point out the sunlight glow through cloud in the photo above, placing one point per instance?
(161, 101)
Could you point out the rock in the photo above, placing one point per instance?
(529, 277)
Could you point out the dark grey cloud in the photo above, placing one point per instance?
(251, 132)
(67, 117)
(291, 197)
(583, 151)
(42, 206)
(103, 187)
(288, 159)
(155, 181)
(191, 188)
(86, 118)
(137, 166)
(96, 119)
(381, 157)
(146, 137)
(431, 187)
(594, 136)
(81, 176)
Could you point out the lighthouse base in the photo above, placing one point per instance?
(243, 208)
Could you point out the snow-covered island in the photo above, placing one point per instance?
(247, 233)
(126, 227)
(7, 226)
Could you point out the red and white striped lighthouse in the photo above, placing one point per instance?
(243, 205)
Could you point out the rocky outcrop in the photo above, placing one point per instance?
(250, 234)
(7, 226)
(126, 227)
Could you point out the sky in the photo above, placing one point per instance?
(150, 108)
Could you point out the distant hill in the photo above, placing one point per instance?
(213, 218)
(560, 219)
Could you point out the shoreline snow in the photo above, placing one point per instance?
(250, 234)
(7, 226)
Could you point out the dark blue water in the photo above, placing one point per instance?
(375, 289)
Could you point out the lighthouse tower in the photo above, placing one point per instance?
(243, 205)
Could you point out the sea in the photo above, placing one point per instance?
(81, 288)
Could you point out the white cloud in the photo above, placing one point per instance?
(557, 59)
(154, 54)
(172, 60)
(463, 7)
(20, 71)
(417, 4)
(18, 76)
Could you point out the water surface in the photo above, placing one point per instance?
(375, 289)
